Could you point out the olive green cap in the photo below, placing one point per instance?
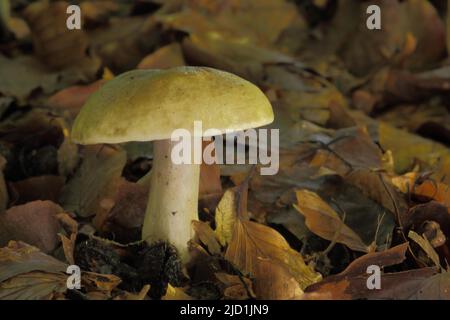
(146, 105)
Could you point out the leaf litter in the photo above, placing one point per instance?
(364, 153)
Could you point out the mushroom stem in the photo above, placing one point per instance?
(173, 200)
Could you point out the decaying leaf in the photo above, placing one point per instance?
(325, 222)
(364, 164)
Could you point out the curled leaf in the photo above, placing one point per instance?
(325, 222)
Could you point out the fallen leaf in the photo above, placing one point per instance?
(352, 282)
(253, 242)
(234, 21)
(34, 285)
(428, 189)
(71, 99)
(206, 236)
(436, 287)
(130, 203)
(104, 282)
(46, 187)
(408, 148)
(426, 246)
(68, 245)
(273, 281)
(174, 293)
(55, 44)
(325, 222)
(19, 258)
(95, 180)
(165, 57)
(34, 223)
(22, 75)
(378, 186)
(236, 287)
(226, 216)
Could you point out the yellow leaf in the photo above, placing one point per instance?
(407, 148)
(426, 246)
(226, 215)
(325, 222)
(173, 293)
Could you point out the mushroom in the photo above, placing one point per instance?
(148, 105)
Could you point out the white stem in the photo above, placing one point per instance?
(173, 200)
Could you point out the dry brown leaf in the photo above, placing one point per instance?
(19, 257)
(165, 57)
(426, 246)
(378, 187)
(253, 242)
(55, 44)
(95, 183)
(357, 149)
(130, 203)
(206, 236)
(71, 99)
(103, 282)
(352, 282)
(34, 223)
(236, 287)
(273, 281)
(428, 189)
(36, 285)
(68, 245)
(38, 188)
(256, 21)
(436, 287)
(325, 222)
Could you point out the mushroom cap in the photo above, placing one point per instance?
(146, 105)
